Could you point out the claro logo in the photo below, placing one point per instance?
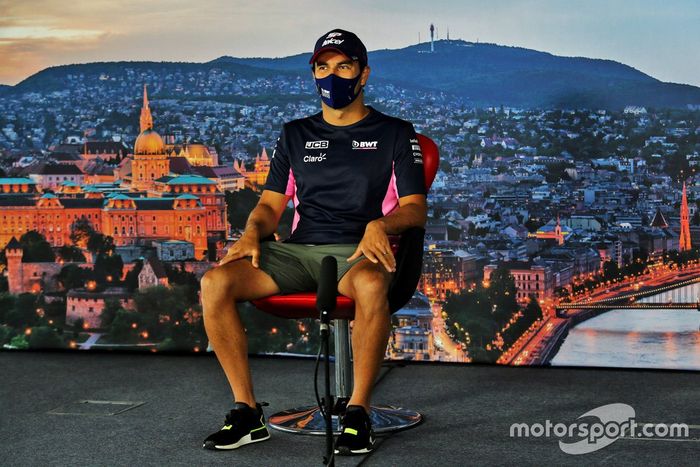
(319, 158)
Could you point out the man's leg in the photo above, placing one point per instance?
(368, 285)
(222, 286)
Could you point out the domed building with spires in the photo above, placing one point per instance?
(154, 158)
(255, 178)
(150, 159)
(159, 196)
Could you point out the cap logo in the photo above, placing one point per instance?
(332, 41)
(334, 34)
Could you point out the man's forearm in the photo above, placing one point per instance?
(261, 222)
(409, 215)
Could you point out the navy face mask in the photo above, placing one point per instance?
(337, 92)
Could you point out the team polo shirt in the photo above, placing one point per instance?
(342, 177)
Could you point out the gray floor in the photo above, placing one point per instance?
(468, 412)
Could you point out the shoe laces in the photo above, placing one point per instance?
(234, 416)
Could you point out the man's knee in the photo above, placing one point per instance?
(371, 283)
(221, 280)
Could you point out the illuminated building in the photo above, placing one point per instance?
(530, 279)
(150, 160)
(90, 150)
(13, 253)
(255, 178)
(206, 192)
(152, 274)
(660, 238)
(226, 178)
(684, 240)
(89, 305)
(555, 232)
(413, 336)
(610, 250)
(153, 158)
(50, 176)
(173, 250)
(262, 166)
(98, 172)
(198, 154)
(442, 271)
(189, 208)
(149, 204)
(17, 185)
(31, 277)
(137, 221)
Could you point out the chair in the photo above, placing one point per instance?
(408, 251)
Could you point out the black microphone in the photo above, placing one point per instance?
(326, 297)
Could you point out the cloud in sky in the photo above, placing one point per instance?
(658, 38)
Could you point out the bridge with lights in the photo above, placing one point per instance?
(678, 295)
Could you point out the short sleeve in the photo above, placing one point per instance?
(279, 178)
(408, 163)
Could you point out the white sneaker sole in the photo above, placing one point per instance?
(346, 452)
(247, 439)
(356, 451)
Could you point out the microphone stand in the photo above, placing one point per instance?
(327, 398)
(326, 301)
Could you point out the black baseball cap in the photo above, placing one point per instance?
(341, 41)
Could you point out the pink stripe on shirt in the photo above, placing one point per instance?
(391, 199)
(291, 191)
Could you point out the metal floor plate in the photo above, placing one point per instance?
(95, 407)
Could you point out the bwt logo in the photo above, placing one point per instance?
(364, 144)
(316, 145)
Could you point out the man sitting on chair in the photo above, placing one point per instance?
(356, 176)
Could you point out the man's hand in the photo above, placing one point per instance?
(247, 245)
(375, 246)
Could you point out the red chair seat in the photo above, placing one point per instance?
(303, 305)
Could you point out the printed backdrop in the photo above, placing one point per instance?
(563, 222)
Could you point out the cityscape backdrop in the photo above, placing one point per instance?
(563, 221)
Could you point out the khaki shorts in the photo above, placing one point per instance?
(295, 267)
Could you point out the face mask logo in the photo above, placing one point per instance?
(337, 92)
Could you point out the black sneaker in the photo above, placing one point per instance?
(243, 425)
(356, 436)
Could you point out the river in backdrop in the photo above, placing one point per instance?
(636, 338)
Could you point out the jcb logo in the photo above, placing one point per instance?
(316, 145)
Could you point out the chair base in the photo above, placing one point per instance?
(309, 421)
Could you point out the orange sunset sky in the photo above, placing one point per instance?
(659, 38)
